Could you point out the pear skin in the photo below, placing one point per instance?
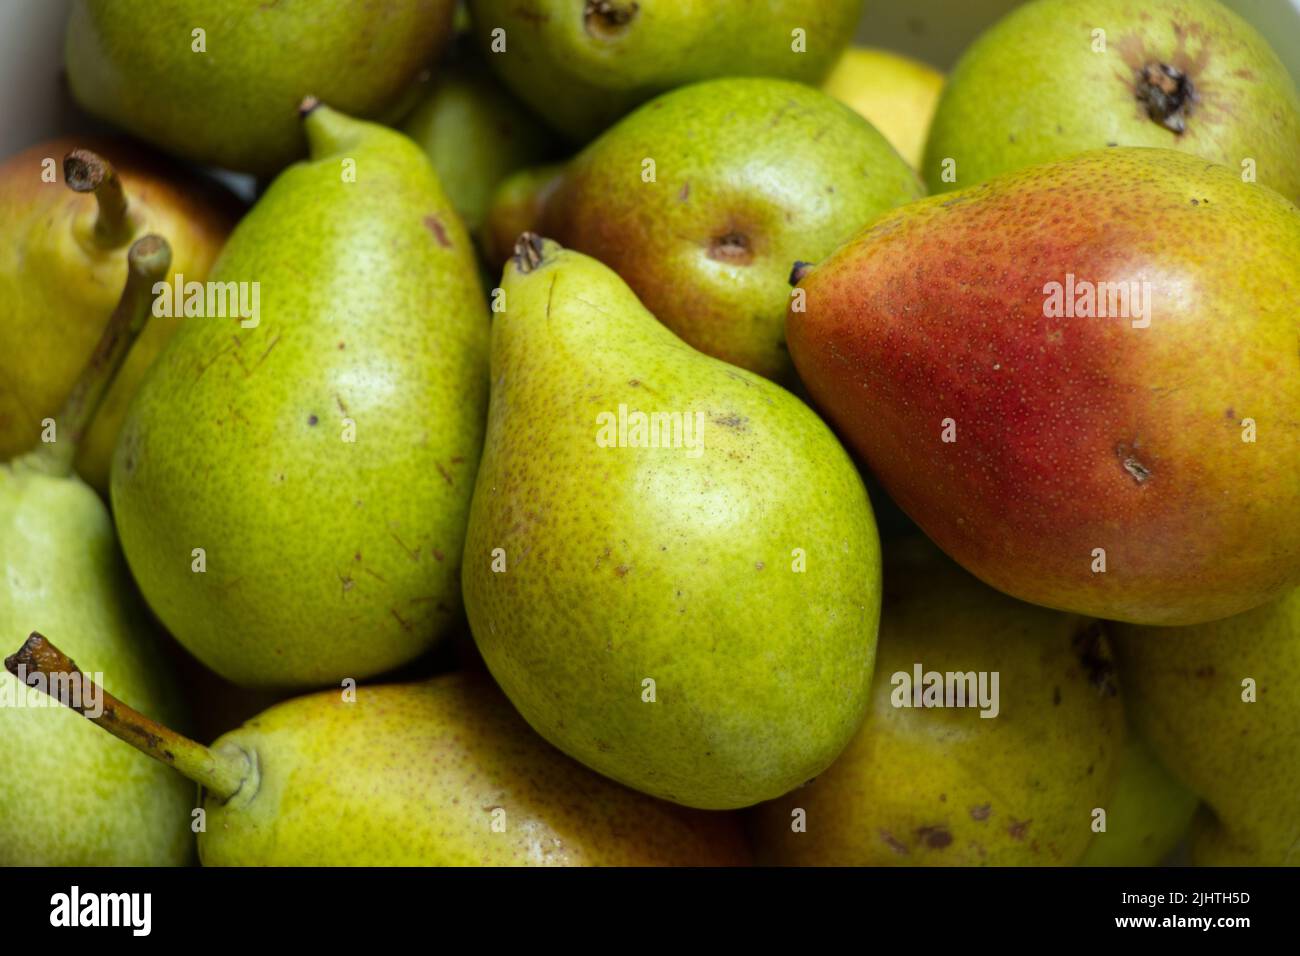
(946, 786)
(322, 458)
(747, 176)
(1058, 77)
(692, 614)
(216, 81)
(460, 780)
(894, 93)
(60, 281)
(582, 66)
(1086, 449)
(1147, 814)
(1220, 705)
(516, 207)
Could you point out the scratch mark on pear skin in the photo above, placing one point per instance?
(413, 554)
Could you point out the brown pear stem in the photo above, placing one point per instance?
(147, 262)
(221, 772)
(87, 172)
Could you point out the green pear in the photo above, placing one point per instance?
(1010, 778)
(439, 773)
(63, 263)
(703, 198)
(475, 134)
(69, 796)
(217, 81)
(1147, 814)
(583, 65)
(1064, 375)
(291, 489)
(895, 93)
(672, 568)
(1057, 77)
(1220, 705)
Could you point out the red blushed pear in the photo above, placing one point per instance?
(1143, 467)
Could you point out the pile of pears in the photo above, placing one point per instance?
(652, 434)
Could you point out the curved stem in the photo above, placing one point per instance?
(147, 262)
(85, 172)
(221, 772)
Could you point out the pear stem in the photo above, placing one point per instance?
(86, 172)
(220, 772)
(147, 262)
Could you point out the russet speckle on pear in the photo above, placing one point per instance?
(1220, 705)
(739, 574)
(59, 284)
(1057, 77)
(748, 175)
(323, 459)
(216, 81)
(926, 786)
(582, 65)
(441, 773)
(1022, 439)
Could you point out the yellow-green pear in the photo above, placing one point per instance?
(292, 482)
(994, 733)
(439, 773)
(672, 565)
(1220, 705)
(217, 81)
(1058, 77)
(69, 210)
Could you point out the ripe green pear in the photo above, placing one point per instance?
(439, 773)
(1147, 814)
(62, 266)
(515, 208)
(583, 65)
(68, 795)
(1080, 380)
(217, 81)
(475, 134)
(948, 786)
(703, 198)
(292, 490)
(1220, 704)
(1057, 77)
(672, 568)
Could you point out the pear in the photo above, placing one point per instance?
(1010, 778)
(1064, 376)
(895, 93)
(1058, 77)
(438, 773)
(1147, 814)
(475, 134)
(581, 66)
(291, 489)
(68, 796)
(702, 198)
(672, 568)
(1219, 704)
(217, 81)
(63, 263)
(515, 208)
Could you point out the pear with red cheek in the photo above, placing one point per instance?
(1080, 379)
